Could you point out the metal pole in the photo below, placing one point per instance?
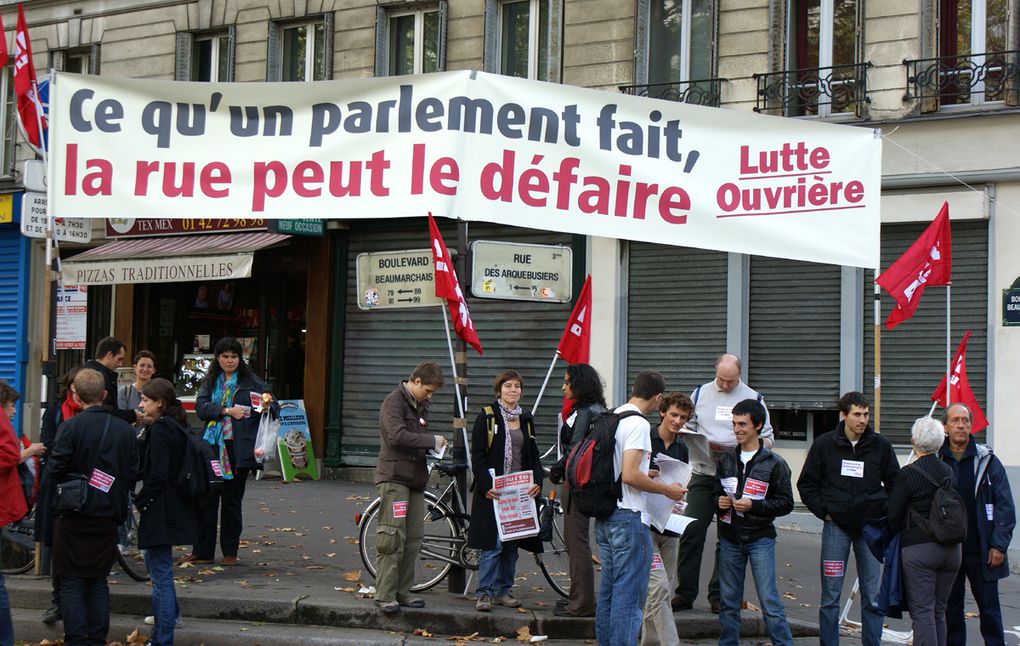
(876, 418)
(456, 581)
(949, 350)
(545, 383)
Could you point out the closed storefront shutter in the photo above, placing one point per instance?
(13, 268)
(676, 313)
(381, 347)
(793, 353)
(914, 353)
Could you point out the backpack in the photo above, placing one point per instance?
(947, 517)
(594, 487)
(200, 471)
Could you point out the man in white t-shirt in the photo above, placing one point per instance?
(625, 544)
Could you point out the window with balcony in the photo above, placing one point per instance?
(676, 58)
(527, 34)
(974, 64)
(824, 75)
(301, 51)
(206, 57)
(410, 41)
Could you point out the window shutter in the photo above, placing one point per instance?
(94, 58)
(273, 70)
(382, 49)
(929, 47)
(185, 41)
(329, 26)
(231, 52)
(555, 38)
(490, 50)
(444, 15)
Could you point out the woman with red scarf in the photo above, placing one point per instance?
(64, 407)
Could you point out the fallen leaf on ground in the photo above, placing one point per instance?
(421, 632)
(524, 635)
(353, 575)
(136, 638)
(522, 610)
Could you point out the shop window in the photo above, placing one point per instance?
(527, 37)
(411, 41)
(9, 119)
(207, 57)
(301, 51)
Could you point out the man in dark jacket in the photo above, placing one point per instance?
(846, 480)
(400, 477)
(101, 448)
(753, 485)
(110, 356)
(981, 481)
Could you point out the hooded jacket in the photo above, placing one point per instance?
(991, 492)
(829, 484)
(768, 471)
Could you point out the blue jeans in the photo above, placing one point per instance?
(986, 594)
(85, 606)
(496, 569)
(6, 623)
(625, 547)
(160, 562)
(835, 551)
(733, 559)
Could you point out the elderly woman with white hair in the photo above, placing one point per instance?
(929, 567)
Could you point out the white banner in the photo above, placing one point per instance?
(72, 316)
(171, 269)
(468, 145)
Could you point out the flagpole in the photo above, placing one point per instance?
(949, 350)
(548, 374)
(456, 385)
(878, 355)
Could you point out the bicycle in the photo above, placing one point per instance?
(444, 544)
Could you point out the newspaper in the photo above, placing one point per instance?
(663, 513)
(516, 513)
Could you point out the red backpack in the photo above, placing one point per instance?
(594, 487)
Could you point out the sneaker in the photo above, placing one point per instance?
(151, 621)
(51, 616)
(388, 607)
(413, 602)
(713, 605)
(509, 601)
(484, 603)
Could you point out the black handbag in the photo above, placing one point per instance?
(73, 491)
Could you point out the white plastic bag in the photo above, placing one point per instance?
(265, 441)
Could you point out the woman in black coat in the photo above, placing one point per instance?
(167, 518)
(225, 402)
(490, 454)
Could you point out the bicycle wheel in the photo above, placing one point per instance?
(17, 546)
(554, 561)
(129, 556)
(440, 546)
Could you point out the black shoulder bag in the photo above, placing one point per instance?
(72, 493)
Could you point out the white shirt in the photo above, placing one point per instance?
(745, 456)
(632, 433)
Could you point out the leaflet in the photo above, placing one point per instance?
(663, 513)
(516, 513)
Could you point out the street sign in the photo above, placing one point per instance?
(34, 222)
(521, 272)
(1011, 304)
(34, 177)
(395, 279)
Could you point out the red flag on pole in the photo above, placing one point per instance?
(25, 86)
(960, 392)
(576, 339)
(448, 288)
(927, 263)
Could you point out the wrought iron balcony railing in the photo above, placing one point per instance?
(704, 92)
(821, 91)
(968, 79)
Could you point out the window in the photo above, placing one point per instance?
(8, 121)
(972, 36)
(79, 60)
(207, 57)
(304, 52)
(680, 42)
(524, 39)
(413, 45)
(823, 50)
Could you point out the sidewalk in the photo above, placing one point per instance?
(300, 566)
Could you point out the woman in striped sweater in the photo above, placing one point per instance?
(929, 567)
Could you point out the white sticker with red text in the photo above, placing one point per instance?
(101, 480)
(755, 489)
(657, 562)
(215, 464)
(832, 568)
(400, 509)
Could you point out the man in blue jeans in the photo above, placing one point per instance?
(625, 544)
(754, 489)
(846, 480)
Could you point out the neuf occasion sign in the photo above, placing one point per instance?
(468, 145)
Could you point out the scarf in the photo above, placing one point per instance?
(509, 415)
(69, 408)
(217, 432)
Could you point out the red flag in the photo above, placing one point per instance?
(576, 339)
(927, 263)
(448, 287)
(959, 389)
(25, 84)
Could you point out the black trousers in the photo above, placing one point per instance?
(86, 610)
(224, 506)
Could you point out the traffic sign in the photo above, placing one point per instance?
(521, 272)
(395, 279)
(34, 221)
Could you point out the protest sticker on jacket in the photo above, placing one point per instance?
(516, 514)
(470, 145)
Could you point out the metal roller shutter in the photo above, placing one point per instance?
(793, 354)
(914, 353)
(13, 279)
(381, 347)
(676, 313)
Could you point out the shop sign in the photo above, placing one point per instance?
(521, 272)
(1011, 304)
(294, 442)
(72, 316)
(6, 208)
(34, 221)
(149, 227)
(170, 269)
(394, 279)
(298, 226)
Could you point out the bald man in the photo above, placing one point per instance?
(712, 437)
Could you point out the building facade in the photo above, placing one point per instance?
(938, 80)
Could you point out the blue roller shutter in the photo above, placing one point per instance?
(13, 306)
